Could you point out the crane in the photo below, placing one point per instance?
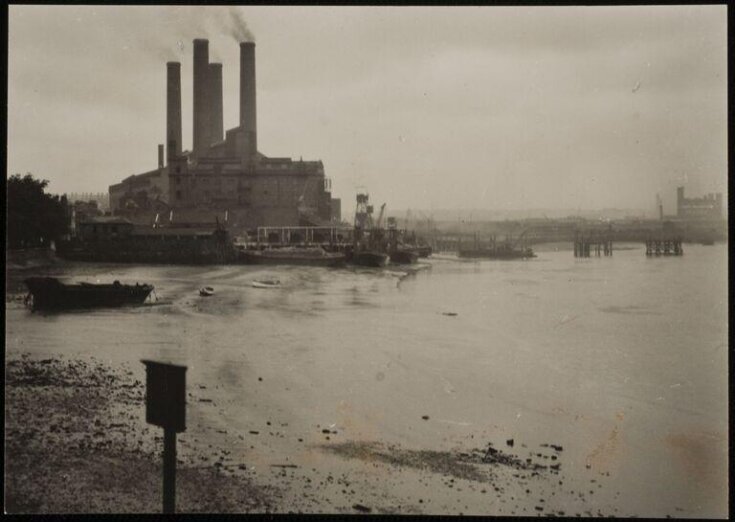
(379, 221)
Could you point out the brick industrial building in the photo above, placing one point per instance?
(224, 171)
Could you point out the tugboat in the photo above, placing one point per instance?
(48, 293)
(368, 245)
(399, 254)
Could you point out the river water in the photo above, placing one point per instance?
(620, 360)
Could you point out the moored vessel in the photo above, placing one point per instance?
(50, 293)
(497, 253)
(507, 249)
(370, 258)
(266, 283)
(404, 257)
(292, 256)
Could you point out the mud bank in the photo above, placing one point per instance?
(74, 444)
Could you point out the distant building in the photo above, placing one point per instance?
(86, 209)
(707, 207)
(100, 198)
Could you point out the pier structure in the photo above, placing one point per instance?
(597, 242)
(664, 247)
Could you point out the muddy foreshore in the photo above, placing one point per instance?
(75, 443)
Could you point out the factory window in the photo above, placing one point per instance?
(178, 181)
(178, 170)
(178, 194)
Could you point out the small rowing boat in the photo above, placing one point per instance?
(266, 283)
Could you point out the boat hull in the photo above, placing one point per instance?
(404, 257)
(422, 251)
(259, 257)
(259, 284)
(372, 259)
(50, 294)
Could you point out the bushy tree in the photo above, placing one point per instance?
(34, 218)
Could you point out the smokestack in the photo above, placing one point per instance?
(201, 119)
(160, 156)
(247, 94)
(214, 91)
(173, 110)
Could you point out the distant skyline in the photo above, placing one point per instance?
(498, 108)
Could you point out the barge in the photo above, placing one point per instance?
(292, 256)
(48, 293)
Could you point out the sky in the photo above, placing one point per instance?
(502, 108)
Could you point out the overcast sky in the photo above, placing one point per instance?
(425, 107)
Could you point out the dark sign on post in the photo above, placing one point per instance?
(165, 401)
(165, 406)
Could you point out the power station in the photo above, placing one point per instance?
(224, 171)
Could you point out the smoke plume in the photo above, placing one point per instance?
(238, 27)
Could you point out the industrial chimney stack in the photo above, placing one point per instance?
(201, 118)
(173, 110)
(247, 95)
(214, 104)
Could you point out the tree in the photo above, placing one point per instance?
(34, 218)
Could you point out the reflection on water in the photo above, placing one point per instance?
(621, 360)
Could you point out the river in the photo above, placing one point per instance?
(622, 361)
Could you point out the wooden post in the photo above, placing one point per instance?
(169, 470)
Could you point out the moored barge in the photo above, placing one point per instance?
(50, 293)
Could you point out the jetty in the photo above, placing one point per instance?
(664, 247)
(596, 242)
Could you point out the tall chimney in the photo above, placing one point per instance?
(214, 92)
(201, 120)
(247, 94)
(160, 156)
(173, 110)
